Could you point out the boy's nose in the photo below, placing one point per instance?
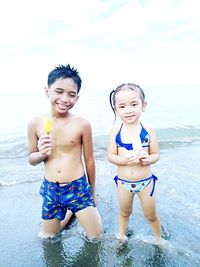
(64, 97)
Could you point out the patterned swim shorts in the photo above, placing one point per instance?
(74, 196)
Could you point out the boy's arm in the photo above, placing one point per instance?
(88, 155)
(35, 155)
(113, 157)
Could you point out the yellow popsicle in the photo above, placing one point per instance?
(47, 125)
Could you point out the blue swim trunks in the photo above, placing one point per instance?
(74, 196)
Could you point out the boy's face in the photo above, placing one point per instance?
(63, 94)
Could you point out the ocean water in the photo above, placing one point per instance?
(174, 112)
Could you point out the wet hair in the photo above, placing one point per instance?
(125, 86)
(63, 72)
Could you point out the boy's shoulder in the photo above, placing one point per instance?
(37, 119)
(80, 120)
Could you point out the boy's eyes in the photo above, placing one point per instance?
(59, 91)
(69, 94)
(72, 94)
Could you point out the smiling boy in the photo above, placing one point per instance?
(67, 152)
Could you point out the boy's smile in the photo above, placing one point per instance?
(63, 95)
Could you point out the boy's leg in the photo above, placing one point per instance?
(65, 221)
(148, 204)
(125, 204)
(51, 227)
(90, 220)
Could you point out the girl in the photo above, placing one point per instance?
(133, 147)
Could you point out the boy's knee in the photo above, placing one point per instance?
(94, 233)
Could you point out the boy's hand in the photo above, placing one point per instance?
(45, 144)
(94, 196)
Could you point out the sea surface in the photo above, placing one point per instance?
(174, 112)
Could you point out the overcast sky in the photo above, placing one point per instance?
(149, 42)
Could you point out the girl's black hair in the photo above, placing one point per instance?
(124, 86)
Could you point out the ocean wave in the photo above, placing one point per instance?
(16, 182)
(13, 147)
(17, 147)
(167, 137)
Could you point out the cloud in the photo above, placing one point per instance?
(148, 41)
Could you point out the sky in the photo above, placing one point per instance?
(149, 42)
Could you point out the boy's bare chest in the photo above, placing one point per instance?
(64, 134)
(66, 137)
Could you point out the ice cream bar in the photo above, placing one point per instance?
(47, 125)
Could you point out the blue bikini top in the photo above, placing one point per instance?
(144, 137)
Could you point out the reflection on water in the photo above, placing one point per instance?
(75, 250)
(78, 252)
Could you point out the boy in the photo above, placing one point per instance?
(69, 183)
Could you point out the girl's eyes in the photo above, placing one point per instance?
(133, 105)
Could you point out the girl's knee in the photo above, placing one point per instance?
(151, 217)
(125, 213)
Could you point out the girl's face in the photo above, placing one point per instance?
(128, 105)
(62, 95)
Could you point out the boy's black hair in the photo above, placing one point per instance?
(64, 71)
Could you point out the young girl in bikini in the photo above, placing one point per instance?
(133, 147)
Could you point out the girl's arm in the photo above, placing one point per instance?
(88, 156)
(112, 152)
(154, 153)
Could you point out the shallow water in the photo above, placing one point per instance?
(177, 203)
(174, 113)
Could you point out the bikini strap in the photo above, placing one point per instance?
(154, 183)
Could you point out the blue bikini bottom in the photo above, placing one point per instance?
(137, 186)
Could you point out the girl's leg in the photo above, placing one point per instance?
(125, 204)
(148, 204)
(90, 220)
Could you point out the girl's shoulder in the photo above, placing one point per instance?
(115, 129)
(148, 127)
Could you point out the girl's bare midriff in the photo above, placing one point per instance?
(135, 172)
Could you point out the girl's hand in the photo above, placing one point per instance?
(144, 158)
(45, 144)
(133, 158)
